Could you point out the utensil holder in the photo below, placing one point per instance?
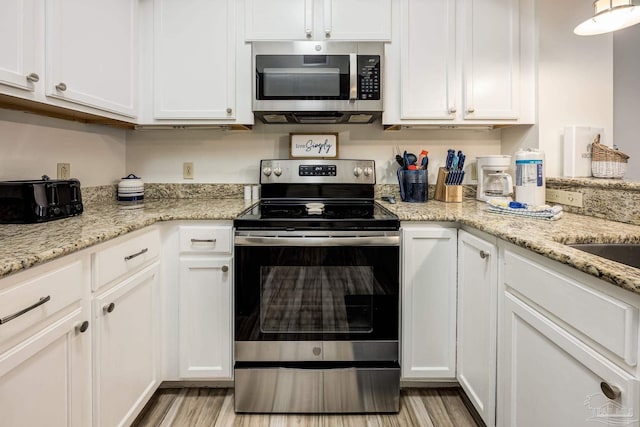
(447, 193)
(414, 185)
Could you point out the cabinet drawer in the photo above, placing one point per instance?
(29, 302)
(606, 320)
(125, 257)
(209, 239)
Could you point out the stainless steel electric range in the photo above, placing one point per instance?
(316, 292)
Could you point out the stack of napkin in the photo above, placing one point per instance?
(520, 209)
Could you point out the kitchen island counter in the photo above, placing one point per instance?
(26, 245)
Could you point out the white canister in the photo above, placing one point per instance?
(131, 189)
(530, 180)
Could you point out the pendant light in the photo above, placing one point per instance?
(608, 16)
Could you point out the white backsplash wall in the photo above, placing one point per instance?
(234, 156)
(32, 145)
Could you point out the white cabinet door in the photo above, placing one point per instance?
(205, 322)
(551, 378)
(125, 348)
(279, 19)
(92, 53)
(428, 302)
(491, 58)
(477, 312)
(18, 44)
(194, 59)
(428, 67)
(355, 20)
(358, 20)
(460, 62)
(46, 380)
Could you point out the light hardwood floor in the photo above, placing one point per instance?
(214, 407)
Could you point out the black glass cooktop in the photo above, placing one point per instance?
(300, 215)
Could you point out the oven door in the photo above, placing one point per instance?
(296, 292)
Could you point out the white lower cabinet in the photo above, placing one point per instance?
(45, 347)
(205, 318)
(125, 348)
(551, 378)
(477, 317)
(428, 341)
(568, 347)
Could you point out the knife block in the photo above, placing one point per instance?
(447, 193)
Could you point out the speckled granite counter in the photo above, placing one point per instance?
(22, 246)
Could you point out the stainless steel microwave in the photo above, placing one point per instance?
(317, 82)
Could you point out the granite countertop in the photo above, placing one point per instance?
(23, 246)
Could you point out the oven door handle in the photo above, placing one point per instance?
(317, 241)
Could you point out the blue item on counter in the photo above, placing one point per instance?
(517, 205)
(413, 185)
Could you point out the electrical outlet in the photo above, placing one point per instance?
(569, 198)
(64, 170)
(187, 170)
(553, 195)
(572, 198)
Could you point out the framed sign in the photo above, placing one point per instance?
(313, 146)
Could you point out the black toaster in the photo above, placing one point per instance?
(41, 200)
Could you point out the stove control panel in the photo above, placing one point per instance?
(317, 170)
(310, 171)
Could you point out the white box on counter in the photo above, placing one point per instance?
(577, 149)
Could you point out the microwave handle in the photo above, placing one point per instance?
(353, 77)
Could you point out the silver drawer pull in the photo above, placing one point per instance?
(25, 310)
(129, 257)
(612, 392)
(203, 240)
(484, 254)
(224, 268)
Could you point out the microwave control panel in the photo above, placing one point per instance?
(369, 77)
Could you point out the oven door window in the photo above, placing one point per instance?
(303, 300)
(311, 293)
(302, 77)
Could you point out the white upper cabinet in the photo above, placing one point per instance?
(357, 20)
(491, 59)
(18, 44)
(194, 59)
(460, 62)
(92, 53)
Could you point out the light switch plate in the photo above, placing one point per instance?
(64, 171)
(187, 170)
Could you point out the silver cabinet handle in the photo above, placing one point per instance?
(25, 310)
(308, 34)
(453, 110)
(108, 308)
(143, 251)
(612, 392)
(327, 34)
(203, 240)
(484, 254)
(61, 87)
(82, 327)
(33, 77)
(471, 110)
(229, 111)
(224, 268)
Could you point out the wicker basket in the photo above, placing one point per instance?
(607, 162)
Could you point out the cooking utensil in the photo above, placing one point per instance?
(399, 160)
(450, 154)
(412, 158)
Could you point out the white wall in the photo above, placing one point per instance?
(575, 77)
(32, 145)
(626, 95)
(234, 156)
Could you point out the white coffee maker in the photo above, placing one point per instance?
(493, 180)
